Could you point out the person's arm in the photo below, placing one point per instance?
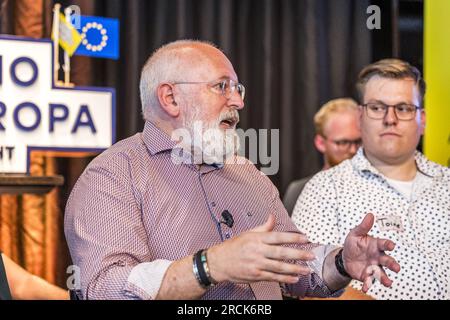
(313, 285)
(26, 286)
(256, 255)
(316, 214)
(108, 242)
(331, 276)
(106, 236)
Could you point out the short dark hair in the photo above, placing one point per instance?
(392, 69)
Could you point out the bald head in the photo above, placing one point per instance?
(183, 60)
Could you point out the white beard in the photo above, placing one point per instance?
(210, 144)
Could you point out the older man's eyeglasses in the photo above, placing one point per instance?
(224, 87)
(379, 110)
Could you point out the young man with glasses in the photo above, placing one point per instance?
(408, 194)
(338, 137)
(141, 224)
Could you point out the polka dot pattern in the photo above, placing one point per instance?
(336, 200)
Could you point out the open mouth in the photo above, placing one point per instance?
(229, 123)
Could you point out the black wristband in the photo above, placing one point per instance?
(206, 268)
(201, 276)
(339, 262)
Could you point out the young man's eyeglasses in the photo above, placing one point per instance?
(224, 87)
(379, 110)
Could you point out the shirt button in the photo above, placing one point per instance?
(227, 235)
(213, 204)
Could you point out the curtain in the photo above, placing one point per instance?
(292, 56)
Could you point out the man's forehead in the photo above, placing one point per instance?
(345, 120)
(381, 88)
(209, 62)
(379, 84)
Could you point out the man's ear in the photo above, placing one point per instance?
(166, 99)
(319, 142)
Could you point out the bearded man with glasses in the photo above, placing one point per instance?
(409, 194)
(150, 220)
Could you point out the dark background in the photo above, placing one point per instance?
(292, 56)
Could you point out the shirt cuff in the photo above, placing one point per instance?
(321, 252)
(145, 279)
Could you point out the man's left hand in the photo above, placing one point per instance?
(362, 251)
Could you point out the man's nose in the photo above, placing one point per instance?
(236, 100)
(354, 147)
(390, 118)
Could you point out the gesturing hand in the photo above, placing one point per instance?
(258, 255)
(362, 251)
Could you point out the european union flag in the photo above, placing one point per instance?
(100, 37)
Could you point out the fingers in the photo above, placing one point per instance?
(370, 280)
(385, 245)
(285, 238)
(384, 279)
(367, 284)
(390, 263)
(284, 268)
(268, 226)
(364, 227)
(370, 274)
(285, 253)
(376, 272)
(276, 277)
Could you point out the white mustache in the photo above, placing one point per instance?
(232, 115)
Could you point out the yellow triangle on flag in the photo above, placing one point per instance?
(69, 37)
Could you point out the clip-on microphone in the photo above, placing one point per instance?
(227, 218)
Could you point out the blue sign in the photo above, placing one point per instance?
(100, 37)
(37, 115)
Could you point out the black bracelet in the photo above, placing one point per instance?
(339, 262)
(195, 271)
(206, 267)
(199, 270)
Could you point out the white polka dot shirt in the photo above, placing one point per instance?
(336, 200)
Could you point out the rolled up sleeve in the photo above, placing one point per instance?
(311, 285)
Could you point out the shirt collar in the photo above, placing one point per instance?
(425, 166)
(157, 141)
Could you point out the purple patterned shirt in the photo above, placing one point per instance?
(134, 211)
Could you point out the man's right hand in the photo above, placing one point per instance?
(259, 255)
